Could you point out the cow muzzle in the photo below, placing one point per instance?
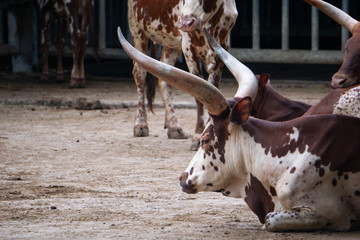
(342, 81)
(186, 184)
(189, 24)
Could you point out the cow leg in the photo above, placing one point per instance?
(75, 72)
(305, 219)
(82, 38)
(60, 43)
(174, 131)
(45, 44)
(141, 128)
(83, 41)
(75, 43)
(77, 79)
(194, 68)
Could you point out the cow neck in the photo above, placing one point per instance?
(262, 103)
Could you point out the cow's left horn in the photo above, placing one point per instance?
(203, 91)
(247, 81)
(335, 13)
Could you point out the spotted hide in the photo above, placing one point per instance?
(297, 175)
(65, 13)
(175, 25)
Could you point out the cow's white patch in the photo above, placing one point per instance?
(294, 135)
(349, 103)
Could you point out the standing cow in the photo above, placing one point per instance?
(175, 24)
(66, 14)
(349, 72)
(298, 175)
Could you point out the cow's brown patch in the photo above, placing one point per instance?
(258, 199)
(215, 20)
(146, 13)
(273, 191)
(219, 128)
(327, 141)
(208, 6)
(334, 182)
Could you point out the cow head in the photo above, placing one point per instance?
(211, 169)
(206, 171)
(195, 13)
(349, 72)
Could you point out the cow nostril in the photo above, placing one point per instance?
(187, 24)
(183, 177)
(190, 22)
(338, 81)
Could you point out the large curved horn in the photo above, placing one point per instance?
(335, 13)
(247, 81)
(203, 91)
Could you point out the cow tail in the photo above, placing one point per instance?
(151, 81)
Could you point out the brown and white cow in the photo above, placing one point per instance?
(297, 175)
(174, 24)
(349, 72)
(66, 14)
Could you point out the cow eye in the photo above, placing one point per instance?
(205, 141)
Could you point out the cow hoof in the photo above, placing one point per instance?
(59, 78)
(195, 144)
(44, 77)
(77, 83)
(141, 131)
(176, 134)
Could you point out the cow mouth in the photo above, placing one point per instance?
(189, 190)
(186, 185)
(189, 24)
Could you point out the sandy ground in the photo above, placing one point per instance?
(68, 173)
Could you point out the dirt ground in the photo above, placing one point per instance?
(70, 173)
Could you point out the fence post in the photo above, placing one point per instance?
(255, 25)
(314, 29)
(102, 24)
(285, 25)
(344, 31)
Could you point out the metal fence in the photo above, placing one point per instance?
(255, 53)
(251, 27)
(285, 54)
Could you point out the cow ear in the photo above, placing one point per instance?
(263, 80)
(241, 111)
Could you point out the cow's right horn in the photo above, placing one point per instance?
(335, 13)
(202, 90)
